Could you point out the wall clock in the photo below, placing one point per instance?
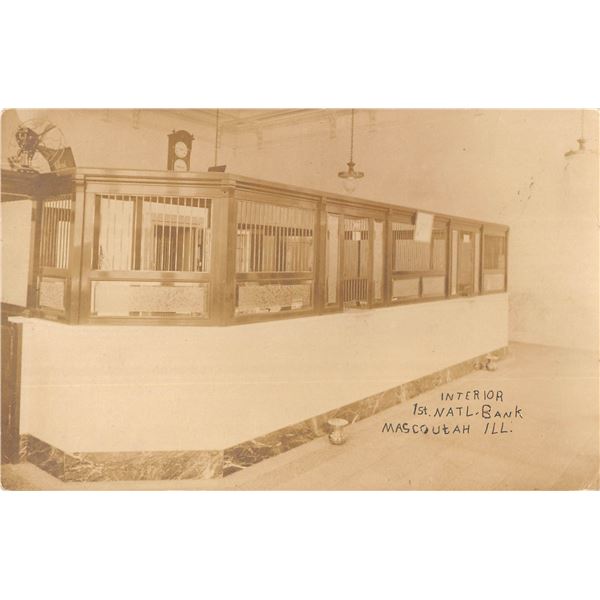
(180, 150)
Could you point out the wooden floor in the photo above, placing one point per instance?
(554, 446)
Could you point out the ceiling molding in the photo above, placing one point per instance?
(249, 120)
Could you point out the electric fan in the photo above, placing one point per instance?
(38, 146)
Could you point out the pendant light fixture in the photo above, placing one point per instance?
(217, 167)
(350, 177)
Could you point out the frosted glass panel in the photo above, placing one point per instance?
(124, 299)
(332, 257)
(378, 261)
(434, 286)
(52, 293)
(405, 288)
(260, 298)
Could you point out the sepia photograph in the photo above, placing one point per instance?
(300, 299)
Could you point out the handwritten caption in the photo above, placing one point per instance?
(461, 413)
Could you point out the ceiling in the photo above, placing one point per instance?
(246, 120)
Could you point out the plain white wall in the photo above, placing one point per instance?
(126, 388)
(15, 217)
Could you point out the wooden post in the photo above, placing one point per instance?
(222, 279)
(82, 248)
(34, 254)
(370, 260)
(12, 336)
(319, 294)
(388, 259)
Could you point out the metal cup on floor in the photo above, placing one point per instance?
(337, 435)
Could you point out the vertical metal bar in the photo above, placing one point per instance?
(251, 225)
(282, 258)
(64, 223)
(134, 225)
(83, 237)
(65, 231)
(191, 244)
(255, 218)
(138, 232)
(291, 239)
(162, 231)
(44, 239)
(48, 250)
(291, 242)
(51, 235)
(59, 232)
(299, 238)
(55, 231)
(243, 228)
(256, 208)
(298, 217)
(178, 250)
(207, 236)
(193, 241)
(280, 238)
(43, 233)
(168, 217)
(240, 240)
(45, 261)
(283, 216)
(276, 238)
(247, 248)
(263, 244)
(268, 238)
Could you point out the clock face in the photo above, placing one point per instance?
(181, 150)
(180, 165)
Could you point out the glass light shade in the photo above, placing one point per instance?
(350, 184)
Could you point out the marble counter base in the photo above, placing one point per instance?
(121, 466)
(210, 464)
(254, 451)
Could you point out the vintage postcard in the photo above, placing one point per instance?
(300, 299)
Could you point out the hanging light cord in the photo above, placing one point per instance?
(216, 137)
(582, 115)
